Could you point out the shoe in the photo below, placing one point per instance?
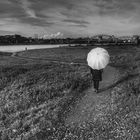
(96, 90)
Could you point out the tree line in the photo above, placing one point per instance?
(21, 40)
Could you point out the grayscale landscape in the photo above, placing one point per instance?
(46, 87)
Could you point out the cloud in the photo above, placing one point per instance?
(76, 21)
(70, 17)
(55, 35)
(2, 32)
(9, 9)
(122, 8)
(36, 22)
(79, 25)
(26, 5)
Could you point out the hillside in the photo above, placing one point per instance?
(38, 96)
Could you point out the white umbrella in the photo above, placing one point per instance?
(98, 58)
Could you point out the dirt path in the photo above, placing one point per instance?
(93, 105)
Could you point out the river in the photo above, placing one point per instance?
(17, 48)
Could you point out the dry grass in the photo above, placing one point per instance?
(73, 54)
(34, 99)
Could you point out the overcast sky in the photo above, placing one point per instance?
(70, 18)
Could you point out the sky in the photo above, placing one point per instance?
(69, 18)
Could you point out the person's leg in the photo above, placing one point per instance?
(96, 85)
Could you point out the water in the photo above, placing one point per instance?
(17, 48)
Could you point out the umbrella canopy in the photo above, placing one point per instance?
(98, 58)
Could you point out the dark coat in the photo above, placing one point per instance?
(96, 74)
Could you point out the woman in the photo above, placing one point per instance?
(96, 77)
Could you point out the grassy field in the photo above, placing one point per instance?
(36, 95)
(74, 54)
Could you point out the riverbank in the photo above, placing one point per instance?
(38, 94)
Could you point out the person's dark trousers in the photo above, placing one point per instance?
(96, 84)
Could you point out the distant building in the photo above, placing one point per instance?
(135, 39)
(103, 38)
(36, 36)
